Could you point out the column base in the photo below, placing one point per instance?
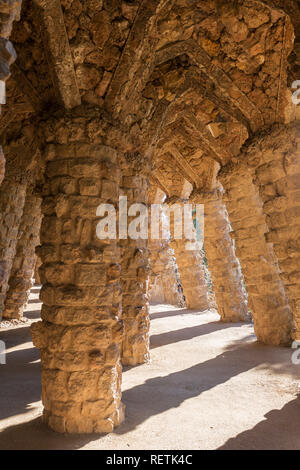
(135, 347)
(75, 424)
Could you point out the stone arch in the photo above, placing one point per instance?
(214, 89)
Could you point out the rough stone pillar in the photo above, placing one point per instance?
(164, 279)
(135, 269)
(223, 265)
(275, 159)
(192, 275)
(36, 270)
(190, 266)
(81, 331)
(21, 275)
(266, 294)
(9, 11)
(12, 199)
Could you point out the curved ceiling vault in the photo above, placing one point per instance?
(194, 79)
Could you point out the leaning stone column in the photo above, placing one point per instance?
(266, 294)
(190, 266)
(223, 265)
(135, 268)
(274, 157)
(21, 275)
(192, 275)
(36, 270)
(164, 278)
(12, 199)
(81, 330)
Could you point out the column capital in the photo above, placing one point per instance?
(232, 171)
(199, 196)
(88, 123)
(16, 175)
(175, 200)
(137, 162)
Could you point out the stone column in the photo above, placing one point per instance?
(190, 266)
(223, 265)
(12, 199)
(81, 330)
(135, 268)
(275, 159)
(36, 270)
(21, 275)
(266, 294)
(164, 281)
(192, 275)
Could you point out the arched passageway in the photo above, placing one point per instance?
(180, 102)
(199, 365)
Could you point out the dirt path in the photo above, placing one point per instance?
(209, 385)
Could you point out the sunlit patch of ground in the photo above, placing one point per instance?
(209, 385)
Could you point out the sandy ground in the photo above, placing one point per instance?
(209, 386)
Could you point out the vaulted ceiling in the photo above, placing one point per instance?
(192, 79)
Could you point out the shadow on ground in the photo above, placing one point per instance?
(174, 313)
(185, 334)
(159, 394)
(20, 382)
(33, 314)
(34, 435)
(20, 387)
(279, 431)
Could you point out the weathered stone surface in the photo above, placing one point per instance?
(164, 279)
(266, 295)
(9, 12)
(59, 48)
(274, 159)
(223, 265)
(22, 271)
(184, 83)
(192, 276)
(164, 282)
(135, 269)
(12, 199)
(81, 333)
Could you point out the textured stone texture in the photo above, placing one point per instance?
(135, 269)
(60, 52)
(183, 83)
(266, 295)
(38, 264)
(223, 265)
(22, 271)
(24, 169)
(164, 281)
(12, 199)
(9, 11)
(189, 262)
(81, 332)
(192, 275)
(7, 57)
(97, 32)
(274, 157)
